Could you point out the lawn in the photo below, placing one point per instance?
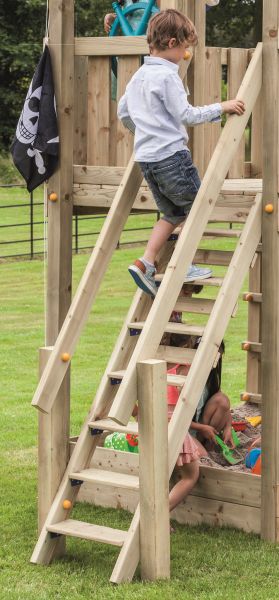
(206, 563)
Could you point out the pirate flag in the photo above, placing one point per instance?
(36, 142)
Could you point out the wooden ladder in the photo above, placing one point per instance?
(113, 404)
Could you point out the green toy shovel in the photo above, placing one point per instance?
(227, 452)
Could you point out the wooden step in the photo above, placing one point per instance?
(176, 380)
(102, 477)
(87, 531)
(219, 233)
(110, 425)
(182, 328)
(251, 346)
(213, 257)
(176, 355)
(209, 282)
(201, 306)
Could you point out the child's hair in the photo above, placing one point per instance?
(169, 24)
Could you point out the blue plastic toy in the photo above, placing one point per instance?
(121, 23)
(252, 457)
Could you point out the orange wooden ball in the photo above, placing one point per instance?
(245, 396)
(187, 55)
(65, 357)
(249, 297)
(246, 346)
(67, 504)
(269, 208)
(53, 197)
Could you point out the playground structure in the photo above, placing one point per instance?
(94, 176)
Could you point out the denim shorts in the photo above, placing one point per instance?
(174, 183)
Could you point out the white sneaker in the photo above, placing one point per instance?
(197, 273)
(144, 277)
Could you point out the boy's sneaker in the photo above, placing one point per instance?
(197, 273)
(144, 277)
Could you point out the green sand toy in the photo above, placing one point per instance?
(228, 454)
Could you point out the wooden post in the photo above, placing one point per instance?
(59, 274)
(270, 277)
(253, 377)
(153, 470)
(197, 92)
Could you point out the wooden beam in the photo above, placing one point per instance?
(270, 277)
(106, 46)
(88, 288)
(55, 434)
(153, 471)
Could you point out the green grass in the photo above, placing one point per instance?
(206, 563)
(15, 224)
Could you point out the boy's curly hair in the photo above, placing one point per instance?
(169, 24)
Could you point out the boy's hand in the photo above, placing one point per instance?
(108, 21)
(233, 107)
(209, 432)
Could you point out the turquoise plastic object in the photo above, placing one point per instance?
(121, 22)
(252, 457)
(228, 454)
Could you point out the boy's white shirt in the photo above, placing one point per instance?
(156, 108)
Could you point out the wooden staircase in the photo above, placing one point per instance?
(140, 338)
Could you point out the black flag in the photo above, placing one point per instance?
(36, 142)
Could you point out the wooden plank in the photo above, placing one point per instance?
(198, 91)
(210, 282)
(171, 354)
(87, 290)
(253, 371)
(270, 279)
(251, 346)
(52, 456)
(59, 252)
(251, 397)
(109, 425)
(252, 297)
(257, 139)
(195, 510)
(104, 478)
(212, 84)
(153, 471)
(226, 233)
(176, 380)
(80, 110)
(113, 175)
(194, 305)
(180, 328)
(125, 140)
(87, 531)
(98, 110)
(213, 257)
(116, 46)
(237, 65)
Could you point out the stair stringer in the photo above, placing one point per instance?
(202, 363)
(190, 237)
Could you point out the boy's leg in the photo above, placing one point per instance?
(143, 269)
(160, 234)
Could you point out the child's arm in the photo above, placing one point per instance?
(123, 114)
(207, 431)
(176, 103)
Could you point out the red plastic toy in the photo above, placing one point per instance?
(239, 425)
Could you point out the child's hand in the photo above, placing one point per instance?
(209, 432)
(227, 437)
(108, 21)
(233, 106)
